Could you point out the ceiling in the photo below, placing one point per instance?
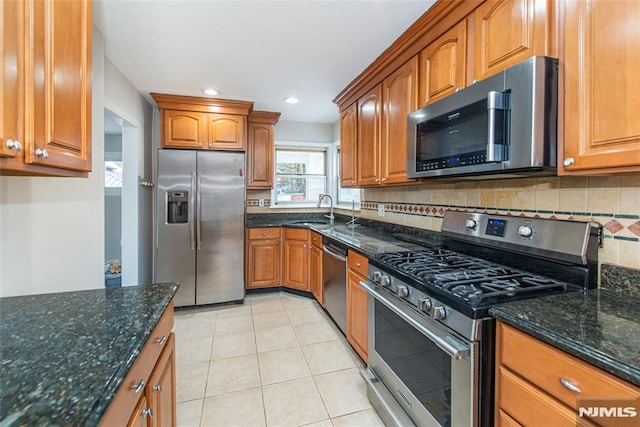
(260, 51)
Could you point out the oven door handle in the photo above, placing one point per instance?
(447, 343)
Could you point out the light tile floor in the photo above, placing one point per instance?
(276, 360)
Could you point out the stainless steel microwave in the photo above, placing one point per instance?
(502, 127)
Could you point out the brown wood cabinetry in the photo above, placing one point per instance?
(601, 87)
(46, 88)
(315, 267)
(530, 378)
(368, 138)
(202, 123)
(357, 320)
(296, 259)
(260, 149)
(510, 31)
(264, 257)
(443, 65)
(348, 146)
(147, 396)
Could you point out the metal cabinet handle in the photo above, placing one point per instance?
(137, 388)
(569, 161)
(42, 153)
(147, 412)
(157, 388)
(161, 340)
(13, 144)
(571, 386)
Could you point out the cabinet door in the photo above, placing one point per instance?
(602, 87)
(264, 263)
(443, 65)
(369, 133)
(296, 264)
(348, 140)
(161, 389)
(61, 66)
(227, 132)
(357, 328)
(140, 416)
(509, 31)
(400, 97)
(183, 129)
(315, 273)
(260, 156)
(12, 73)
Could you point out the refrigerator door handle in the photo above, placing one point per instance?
(192, 210)
(199, 211)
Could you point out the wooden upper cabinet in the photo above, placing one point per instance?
(227, 132)
(400, 97)
(61, 78)
(184, 129)
(443, 65)
(202, 123)
(509, 31)
(12, 75)
(260, 149)
(602, 87)
(369, 134)
(348, 149)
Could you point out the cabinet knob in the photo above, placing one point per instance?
(458, 89)
(358, 264)
(304, 246)
(161, 340)
(569, 161)
(137, 387)
(13, 144)
(353, 182)
(475, 81)
(377, 181)
(278, 242)
(157, 388)
(42, 153)
(147, 412)
(384, 180)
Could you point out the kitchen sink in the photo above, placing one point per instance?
(309, 222)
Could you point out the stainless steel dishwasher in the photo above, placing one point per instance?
(334, 278)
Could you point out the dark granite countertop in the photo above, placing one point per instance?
(601, 327)
(64, 355)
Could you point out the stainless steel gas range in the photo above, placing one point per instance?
(431, 338)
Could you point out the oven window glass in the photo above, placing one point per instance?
(423, 368)
(458, 138)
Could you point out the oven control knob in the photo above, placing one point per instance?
(385, 280)
(376, 276)
(402, 291)
(525, 231)
(424, 304)
(470, 224)
(438, 312)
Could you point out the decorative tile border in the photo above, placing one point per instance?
(617, 226)
(256, 203)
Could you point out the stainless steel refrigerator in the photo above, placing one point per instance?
(200, 225)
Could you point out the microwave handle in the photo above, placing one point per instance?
(495, 101)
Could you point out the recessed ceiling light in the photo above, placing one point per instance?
(291, 100)
(211, 92)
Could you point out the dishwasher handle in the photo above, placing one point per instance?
(336, 255)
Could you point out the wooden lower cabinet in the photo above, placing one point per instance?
(315, 267)
(529, 383)
(296, 259)
(357, 318)
(264, 257)
(147, 396)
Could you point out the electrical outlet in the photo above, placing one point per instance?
(381, 209)
(261, 203)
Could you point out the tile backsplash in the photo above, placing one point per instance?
(614, 202)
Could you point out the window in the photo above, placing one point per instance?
(301, 175)
(347, 197)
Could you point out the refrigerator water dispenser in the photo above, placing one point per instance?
(178, 207)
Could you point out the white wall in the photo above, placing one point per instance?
(303, 132)
(52, 229)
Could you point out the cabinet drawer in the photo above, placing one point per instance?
(296, 233)
(264, 233)
(545, 366)
(316, 239)
(529, 406)
(359, 263)
(129, 394)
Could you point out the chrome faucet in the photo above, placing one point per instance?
(330, 216)
(352, 223)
